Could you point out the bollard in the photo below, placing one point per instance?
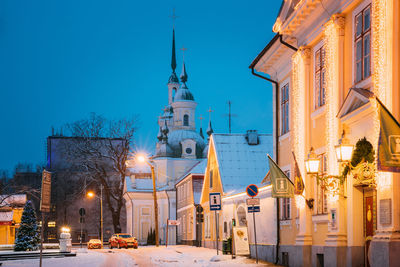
(65, 242)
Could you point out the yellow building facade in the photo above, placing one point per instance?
(328, 62)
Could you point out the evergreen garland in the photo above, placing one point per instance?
(28, 237)
(364, 152)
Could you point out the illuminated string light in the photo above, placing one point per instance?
(298, 113)
(379, 76)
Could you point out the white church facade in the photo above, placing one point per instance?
(178, 149)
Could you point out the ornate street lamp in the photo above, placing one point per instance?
(312, 162)
(344, 150)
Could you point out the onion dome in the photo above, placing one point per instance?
(183, 93)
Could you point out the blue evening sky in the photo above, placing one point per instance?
(61, 60)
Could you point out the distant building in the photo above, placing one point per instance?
(234, 162)
(11, 208)
(188, 192)
(69, 187)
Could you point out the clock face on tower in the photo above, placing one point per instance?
(188, 150)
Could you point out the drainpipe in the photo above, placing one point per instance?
(286, 44)
(276, 151)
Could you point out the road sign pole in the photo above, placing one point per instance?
(216, 231)
(255, 235)
(166, 238)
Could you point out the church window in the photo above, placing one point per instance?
(285, 109)
(362, 44)
(320, 77)
(186, 120)
(211, 178)
(188, 150)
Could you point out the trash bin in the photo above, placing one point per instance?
(225, 247)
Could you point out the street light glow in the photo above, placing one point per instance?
(141, 158)
(65, 229)
(90, 194)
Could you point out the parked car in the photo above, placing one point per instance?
(94, 243)
(122, 241)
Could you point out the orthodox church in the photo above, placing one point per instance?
(178, 149)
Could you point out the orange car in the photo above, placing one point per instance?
(94, 243)
(122, 241)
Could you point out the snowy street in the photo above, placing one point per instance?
(144, 256)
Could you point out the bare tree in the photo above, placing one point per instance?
(99, 150)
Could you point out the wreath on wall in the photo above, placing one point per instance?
(362, 163)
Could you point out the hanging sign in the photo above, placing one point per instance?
(45, 197)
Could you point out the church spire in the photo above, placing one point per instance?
(209, 129)
(184, 75)
(173, 59)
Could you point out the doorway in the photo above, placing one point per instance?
(369, 212)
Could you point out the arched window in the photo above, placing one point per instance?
(186, 120)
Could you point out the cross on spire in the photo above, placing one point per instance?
(173, 17)
(209, 113)
(183, 51)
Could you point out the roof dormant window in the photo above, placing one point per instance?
(362, 44)
(319, 77)
(285, 109)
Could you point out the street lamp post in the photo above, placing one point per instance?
(90, 195)
(141, 158)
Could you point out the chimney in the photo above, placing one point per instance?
(252, 137)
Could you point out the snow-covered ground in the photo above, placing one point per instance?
(144, 256)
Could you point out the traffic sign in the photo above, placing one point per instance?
(215, 201)
(82, 212)
(252, 190)
(251, 209)
(253, 202)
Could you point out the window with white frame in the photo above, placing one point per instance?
(319, 77)
(285, 109)
(285, 204)
(211, 178)
(362, 44)
(207, 229)
(322, 203)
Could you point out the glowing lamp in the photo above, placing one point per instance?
(141, 158)
(312, 162)
(90, 194)
(344, 150)
(65, 229)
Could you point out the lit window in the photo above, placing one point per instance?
(362, 44)
(319, 77)
(51, 224)
(285, 109)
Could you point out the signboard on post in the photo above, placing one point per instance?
(45, 197)
(253, 201)
(251, 209)
(215, 201)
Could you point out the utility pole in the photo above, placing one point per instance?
(101, 213)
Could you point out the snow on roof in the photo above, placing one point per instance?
(241, 164)
(199, 168)
(140, 184)
(6, 216)
(18, 199)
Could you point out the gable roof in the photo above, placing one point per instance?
(356, 98)
(241, 164)
(198, 168)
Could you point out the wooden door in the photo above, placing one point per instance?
(369, 220)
